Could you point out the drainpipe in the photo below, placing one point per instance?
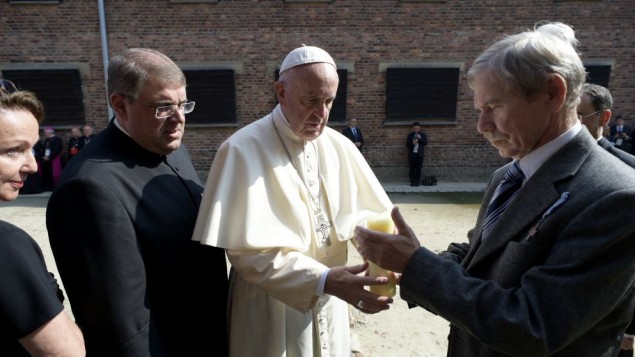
(104, 51)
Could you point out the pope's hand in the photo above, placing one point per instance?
(345, 283)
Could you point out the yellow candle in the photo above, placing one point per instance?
(382, 223)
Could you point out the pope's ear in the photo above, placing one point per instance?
(278, 88)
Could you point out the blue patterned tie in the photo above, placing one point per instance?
(504, 193)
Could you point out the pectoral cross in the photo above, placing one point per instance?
(322, 226)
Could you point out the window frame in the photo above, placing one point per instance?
(208, 105)
(63, 97)
(395, 111)
(602, 70)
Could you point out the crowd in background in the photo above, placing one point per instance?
(52, 155)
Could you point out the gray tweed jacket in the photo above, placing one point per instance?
(555, 277)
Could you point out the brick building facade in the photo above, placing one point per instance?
(367, 38)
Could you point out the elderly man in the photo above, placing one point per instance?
(549, 269)
(283, 197)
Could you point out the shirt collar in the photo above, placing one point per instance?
(532, 161)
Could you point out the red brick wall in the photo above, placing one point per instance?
(258, 34)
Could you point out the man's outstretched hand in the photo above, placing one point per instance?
(389, 251)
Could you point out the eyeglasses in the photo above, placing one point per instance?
(588, 115)
(7, 87)
(166, 111)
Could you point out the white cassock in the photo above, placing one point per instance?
(257, 208)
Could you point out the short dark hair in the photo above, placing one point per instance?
(416, 124)
(601, 98)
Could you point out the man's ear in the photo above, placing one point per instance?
(117, 102)
(605, 117)
(556, 92)
(278, 88)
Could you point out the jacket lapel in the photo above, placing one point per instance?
(535, 198)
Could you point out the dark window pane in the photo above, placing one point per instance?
(338, 112)
(598, 74)
(59, 89)
(414, 94)
(214, 92)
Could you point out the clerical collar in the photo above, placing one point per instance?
(120, 128)
(283, 125)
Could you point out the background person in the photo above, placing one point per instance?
(51, 159)
(621, 134)
(416, 142)
(120, 225)
(546, 273)
(87, 136)
(594, 111)
(32, 317)
(285, 218)
(73, 143)
(354, 133)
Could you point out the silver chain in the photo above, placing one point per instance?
(297, 169)
(322, 225)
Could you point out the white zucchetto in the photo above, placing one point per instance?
(305, 55)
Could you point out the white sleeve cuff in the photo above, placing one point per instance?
(319, 291)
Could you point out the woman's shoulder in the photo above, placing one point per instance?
(15, 241)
